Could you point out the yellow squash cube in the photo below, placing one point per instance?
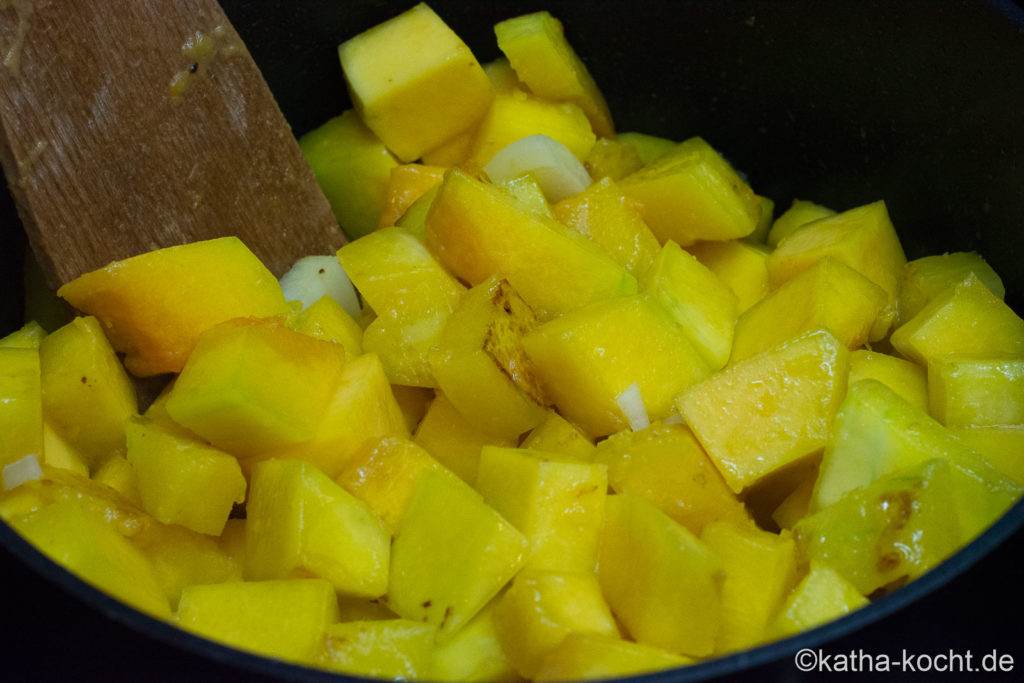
(760, 567)
(412, 296)
(78, 539)
(557, 504)
(385, 475)
(414, 82)
(181, 557)
(929, 276)
(1002, 447)
(602, 213)
(587, 656)
(542, 608)
(28, 336)
(480, 364)
(326, 319)
(300, 523)
(353, 168)
(543, 59)
(780, 407)
(451, 555)
(862, 238)
(612, 159)
(406, 184)
(966, 319)
(453, 440)
(87, 395)
(691, 193)
(117, 473)
(474, 653)
(477, 231)
(391, 648)
(649, 147)
(588, 357)
(738, 264)
(281, 619)
(361, 410)
(829, 295)
(21, 404)
(662, 583)
(665, 465)
(59, 453)
(976, 392)
(253, 385)
(156, 324)
(515, 115)
(906, 378)
(182, 481)
(696, 298)
(821, 596)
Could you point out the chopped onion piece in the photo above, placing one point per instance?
(313, 277)
(558, 172)
(22, 470)
(631, 403)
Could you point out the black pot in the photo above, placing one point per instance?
(918, 103)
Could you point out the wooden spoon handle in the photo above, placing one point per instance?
(134, 125)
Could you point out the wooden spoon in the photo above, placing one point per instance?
(134, 125)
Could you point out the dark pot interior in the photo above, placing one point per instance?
(918, 103)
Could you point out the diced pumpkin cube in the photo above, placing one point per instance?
(799, 214)
(78, 539)
(283, 619)
(353, 168)
(515, 115)
(474, 653)
(453, 440)
(1002, 447)
(976, 392)
(157, 325)
(477, 231)
(21, 404)
(407, 183)
(503, 78)
(780, 407)
(412, 296)
(965, 319)
(385, 475)
(87, 395)
(361, 410)
(764, 223)
(612, 159)
(862, 238)
(392, 648)
(326, 319)
(451, 555)
(117, 473)
(543, 59)
(821, 596)
(542, 608)
(691, 193)
(702, 304)
(300, 523)
(662, 583)
(182, 481)
(557, 435)
(557, 504)
(738, 264)
(829, 294)
(648, 147)
(404, 74)
(413, 402)
(876, 432)
(588, 357)
(527, 190)
(899, 526)
(253, 385)
(665, 465)
(481, 366)
(759, 569)
(907, 379)
(929, 276)
(603, 214)
(587, 656)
